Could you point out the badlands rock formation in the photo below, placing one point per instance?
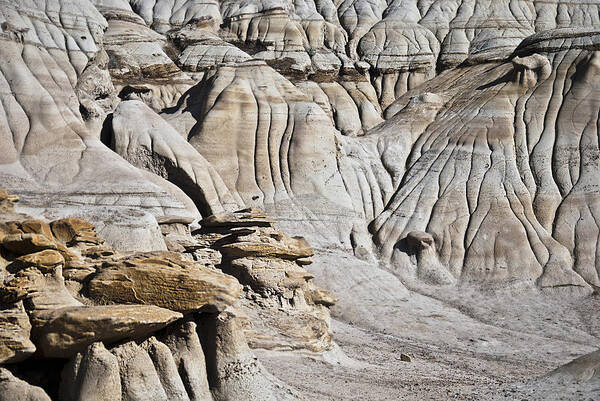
(180, 165)
(151, 325)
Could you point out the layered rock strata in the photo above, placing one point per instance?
(292, 311)
(129, 326)
(56, 93)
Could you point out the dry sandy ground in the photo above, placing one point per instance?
(463, 344)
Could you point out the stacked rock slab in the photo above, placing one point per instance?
(125, 326)
(15, 344)
(292, 311)
(164, 279)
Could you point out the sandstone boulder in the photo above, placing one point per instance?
(45, 261)
(7, 202)
(74, 230)
(247, 248)
(61, 333)
(164, 280)
(240, 218)
(323, 297)
(26, 226)
(22, 244)
(15, 344)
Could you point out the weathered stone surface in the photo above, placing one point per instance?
(166, 368)
(580, 370)
(247, 248)
(21, 244)
(234, 372)
(503, 240)
(184, 344)
(571, 380)
(450, 142)
(74, 230)
(203, 50)
(38, 290)
(7, 202)
(60, 333)
(292, 134)
(139, 379)
(164, 280)
(429, 268)
(240, 218)
(322, 297)
(172, 368)
(92, 375)
(15, 345)
(15, 389)
(138, 59)
(139, 367)
(351, 57)
(45, 261)
(55, 153)
(264, 257)
(129, 371)
(157, 147)
(284, 308)
(26, 226)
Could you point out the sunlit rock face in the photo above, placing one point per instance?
(442, 143)
(353, 123)
(110, 325)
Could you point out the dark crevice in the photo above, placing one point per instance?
(106, 133)
(44, 373)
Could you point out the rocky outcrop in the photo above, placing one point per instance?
(137, 326)
(138, 61)
(450, 142)
(64, 331)
(46, 49)
(292, 311)
(291, 133)
(171, 365)
(15, 345)
(235, 373)
(498, 188)
(164, 280)
(159, 149)
(312, 81)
